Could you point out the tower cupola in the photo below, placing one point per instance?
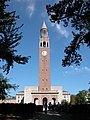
(44, 31)
(44, 26)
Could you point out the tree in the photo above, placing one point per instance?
(9, 38)
(81, 97)
(77, 14)
(63, 102)
(5, 87)
(73, 97)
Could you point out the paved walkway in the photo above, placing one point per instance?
(50, 116)
(63, 116)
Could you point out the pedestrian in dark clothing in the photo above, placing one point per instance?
(46, 107)
(59, 107)
(50, 106)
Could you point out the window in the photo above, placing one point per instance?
(44, 44)
(64, 96)
(40, 44)
(47, 44)
(42, 88)
(46, 88)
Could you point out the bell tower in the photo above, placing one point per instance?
(44, 60)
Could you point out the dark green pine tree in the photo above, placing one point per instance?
(9, 38)
(77, 14)
(5, 87)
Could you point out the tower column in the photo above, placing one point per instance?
(44, 60)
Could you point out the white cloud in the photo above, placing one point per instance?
(77, 69)
(71, 67)
(30, 6)
(20, 0)
(30, 9)
(24, 0)
(66, 72)
(60, 29)
(86, 68)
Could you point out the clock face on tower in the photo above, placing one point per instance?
(44, 53)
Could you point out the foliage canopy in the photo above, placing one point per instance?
(77, 14)
(9, 38)
(5, 87)
(81, 97)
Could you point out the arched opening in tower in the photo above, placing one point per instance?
(44, 44)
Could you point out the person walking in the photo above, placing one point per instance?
(45, 107)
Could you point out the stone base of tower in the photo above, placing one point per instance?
(32, 95)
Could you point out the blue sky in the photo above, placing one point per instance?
(32, 14)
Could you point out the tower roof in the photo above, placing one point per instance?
(44, 26)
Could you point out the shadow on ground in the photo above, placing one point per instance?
(62, 116)
(48, 116)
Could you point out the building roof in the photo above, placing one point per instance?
(20, 93)
(44, 26)
(66, 93)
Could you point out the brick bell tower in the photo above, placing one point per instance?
(44, 60)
